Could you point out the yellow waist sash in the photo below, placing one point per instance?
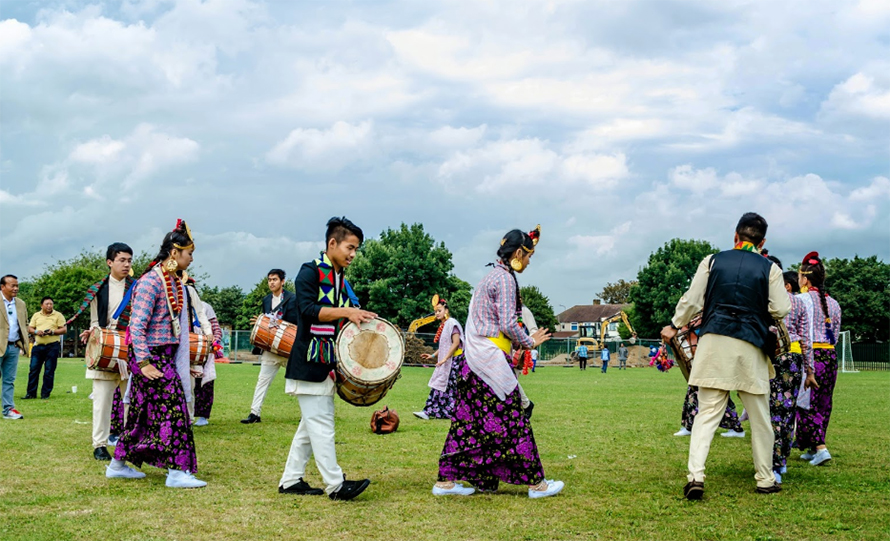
(795, 348)
(460, 351)
(822, 345)
(502, 342)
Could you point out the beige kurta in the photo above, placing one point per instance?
(726, 363)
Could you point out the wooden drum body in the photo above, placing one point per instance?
(369, 361)
(200, 346)
(273, 335)
(106, 348)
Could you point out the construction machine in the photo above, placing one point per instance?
(425, 320)
(605, 324)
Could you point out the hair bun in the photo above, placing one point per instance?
(811, 258)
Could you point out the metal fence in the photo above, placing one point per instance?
(871, 356)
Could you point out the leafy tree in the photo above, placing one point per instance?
(67, 281)
(623, 331)
(539, 304)
(617, 293)
(663, 281)
(226, 302)
(397, 275)
(862, 288)
(252, 303)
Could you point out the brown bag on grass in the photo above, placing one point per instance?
(385, 421)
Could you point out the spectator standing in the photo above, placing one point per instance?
(582, 357)
(622, 357)
(534, 359)
(605, 356)
(47, 326)
(12, 340)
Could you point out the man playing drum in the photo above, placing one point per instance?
(104, 298)
(324, 307)
(282, 304)
(740, 293)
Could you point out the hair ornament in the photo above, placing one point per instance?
(180, 225)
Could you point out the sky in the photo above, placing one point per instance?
(615, 125)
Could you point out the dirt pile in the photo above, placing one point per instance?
(414, 348)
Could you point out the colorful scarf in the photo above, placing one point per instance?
(123, 321)
(746, 246)
(321, 347)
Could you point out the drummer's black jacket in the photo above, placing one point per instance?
(308, 308)
(287, 307)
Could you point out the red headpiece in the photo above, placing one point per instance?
(811, 258)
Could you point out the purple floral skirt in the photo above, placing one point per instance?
(783, 404)
(812, 424)
(489, 440)
(117, 413)
(730, 420)
(440, 404)
(157, 432)
(203, 398)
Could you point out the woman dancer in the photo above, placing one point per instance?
(730, 420)
(789, 369)
(440, 403)
(158, 430)
(825, 318)
(490, 439)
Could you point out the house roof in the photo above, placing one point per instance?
(564, 334)
(590, 313)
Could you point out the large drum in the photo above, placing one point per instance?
(200, 346)
(369, 359)
(106, 348)
(273, 335)
(685, 342)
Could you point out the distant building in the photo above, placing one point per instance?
(585, 320)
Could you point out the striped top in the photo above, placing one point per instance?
(150, 323)
(834, 312)
(798, 324)
(495, 308)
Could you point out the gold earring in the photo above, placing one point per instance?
(171, 265)
(516, 264)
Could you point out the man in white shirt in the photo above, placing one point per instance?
(282, 303)
(13, 339)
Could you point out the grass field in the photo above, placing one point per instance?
(608, 436)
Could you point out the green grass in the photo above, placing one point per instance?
(625, 482)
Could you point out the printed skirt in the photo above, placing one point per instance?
(812, 424)
(783, 404)
(203, 398)
(730, 420)
(117, 413)
(490, 440)
(158, 432)
(440, 405)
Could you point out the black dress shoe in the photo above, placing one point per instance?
(770, 490)
(101, 453)
(529, 410)
(302, 488)
(694, 490)
(252, 419)
(28, 397)
(350, 489)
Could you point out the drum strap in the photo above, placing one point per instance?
(125, 302)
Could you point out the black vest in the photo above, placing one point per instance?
(102, 304)
(737, 298)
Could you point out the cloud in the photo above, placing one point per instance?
(329, 149)
(600, 244)
(862, 95)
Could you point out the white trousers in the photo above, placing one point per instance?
(711, 407)
(268, 371)
(103, 399)
(315, 435)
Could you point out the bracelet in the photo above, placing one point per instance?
(143, 364)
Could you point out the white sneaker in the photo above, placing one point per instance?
(821, 457)
(683, 432)
(112, 440)
(733, 434)
(457, 490)
(123, 473)
(421, 415)
(201, 421)
(12, 415)
(553, 488)
(807, 456)
(182, 479)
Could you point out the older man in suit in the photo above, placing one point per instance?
(13, 337)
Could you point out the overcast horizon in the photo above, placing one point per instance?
(616, 126)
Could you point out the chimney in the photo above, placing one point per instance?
(596, 302)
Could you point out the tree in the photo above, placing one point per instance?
(397, 275)
(623, 331)
(67, 282)
(663, 281)
(539, 304)
(252, 303)
(862, 288)
(226, 302)
(617, 293)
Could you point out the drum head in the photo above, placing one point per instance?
(371, 352)
(94, 346)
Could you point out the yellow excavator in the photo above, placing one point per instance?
(594, 345)
(425, 320)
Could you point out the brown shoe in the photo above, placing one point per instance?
(694, 490)
(770, 490)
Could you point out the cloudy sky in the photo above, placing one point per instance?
(616, 125)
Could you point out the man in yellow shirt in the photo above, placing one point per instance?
(48, 326)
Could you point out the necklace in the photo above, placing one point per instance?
(174, 291)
